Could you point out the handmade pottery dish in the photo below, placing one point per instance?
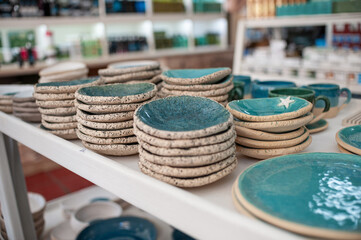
(350, 138)
(343, 150)
(120, 228)
(54, 96)
(58, 119)
(113, 149)
(247, 84)
(240, 208)
(269, 109)
(65, 111)
(117, 93)
(25, 104)
(206, 93)
(62, 68)
(55, 104)
(24, 96)
(106, 133)
(225, 82)
(104, 118)
(129, 67)
(106, 126)
(58, 126)
(320, 186)
(317, 126)
(195, 76)
(260, 89)
(63, 77)
(266, 136)
(182, 117)
(67, 87)
(144, 75)
(29, 117)
(105, 141)
(25, 109)
(66, 134)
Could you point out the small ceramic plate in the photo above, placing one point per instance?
(128, 67)
(24, 104)
(106, 133)
(105, 118)
(269, 153)
(350, 138)
(26, 109)
(277, 126)
(207, 93)
(66, 134)
(318, 126)
(54, 96)
(144, 75)
(58, 126)
(106, 141)
(116, 93)
(106, 126)
(6, 109)
(55, 104)
(269, 109)
(182, 117)
(24, 96)
(67, 87)
(195, 76)
(113, 149)
(63, 77)
(62, 68)
(240, 208)
(120, 228)
(28, 117)
(58, 119)
(265, 136)
(313, 194)
(342, 150)
(225, 82)
(64, 111)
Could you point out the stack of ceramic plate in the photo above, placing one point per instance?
(62, 72)
(269, 127)
(6, 101)
(56, 105)
(311, 194)
(132, 72)
(213, 83)
(105, 116)
(186, 141)
(24, 106)
(349, 140)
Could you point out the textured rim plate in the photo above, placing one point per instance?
(58, 119)
(195, 76)
(111, 117)
(251, 143)
(65, 111)
(106, 133)
(323, 189)
(144, 75)
(265, 136)
(66, 134)
(206, 93)
(201, 87)
(342, 150)
(350, 138)
(113, 149)
(55, 104)
(182, 117)
(62, 68)
(58, 126)
(26, 109)
(240, 208)
(105, 141)
(54, 96)
(69, 86)
(129, 67)
(277, 126)
(62, 77)
(269, 109)
(24, 96)
(106, 126)
(121, 227)
(116, 93)
(318, 126)
(269, 153)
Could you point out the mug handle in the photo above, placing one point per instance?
(325, 109)
(348, 99)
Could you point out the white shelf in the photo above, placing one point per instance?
(205, 212)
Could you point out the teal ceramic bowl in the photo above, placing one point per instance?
(260, 89)
(246, 80)
(195, 76)
(268, 109)
(350, 138)
(314, 194)
(68, 83)
(182, 117)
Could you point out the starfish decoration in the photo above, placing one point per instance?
(286, 102)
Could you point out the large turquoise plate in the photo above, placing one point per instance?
(182, 117)
(195, 76)
(314, 194)
(350, 138)
(269, 109)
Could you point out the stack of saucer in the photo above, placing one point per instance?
(63, 72)
(105, 116)
(6, 101)
(24, 106)
(213, 83)
(349, 140)
(56, 105)
(185, 141)
(132, 72)
(269, 127)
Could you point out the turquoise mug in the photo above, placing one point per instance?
(260, 89)
(246, 80)
(332, 92)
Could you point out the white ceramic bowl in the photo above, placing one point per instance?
(94, 211)
(37, 205)
(63, 231)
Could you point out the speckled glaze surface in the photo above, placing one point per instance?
(62, 77)
(268, 153)
(318, 126)
(102, 109)
(68, 86)
(206, 93)
(55, 104)
(182, 117)
(117, 93)
(260, 89)
(6, 102)
(192, 151)
(185, 143)
(156, 80)
(113, 149)
(128, 67)
(187, 172)
(26, 109)
(105, 118)
(350, 138)
(220, 98)
(107, 141)
(66, 111)
(54, 96)
(106, 126)
(62, 68)
(58, 126)
(131, 76)
(325, 204)
(66, 134)
(251, 143)
(266, 136)
(58, 119)
(277, 126)
(6, 109)
(187, 161)
(225, 82)
(36, 118)
(106, 133)
(195, 76)
(190, 182)
(25, 104)
(269, 109)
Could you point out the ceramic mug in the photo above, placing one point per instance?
(237, 91)
(260, 89)
(306, 94)
(246, 80)
(333, 92)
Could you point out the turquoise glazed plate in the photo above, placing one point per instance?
(224, 82)
(129, 67)
(122, 228)
(269, 109)
(67, 86)
(318, 126)
(350, 138)
(313, 194)
(116, 93)
(182, 117)
(195, 76)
